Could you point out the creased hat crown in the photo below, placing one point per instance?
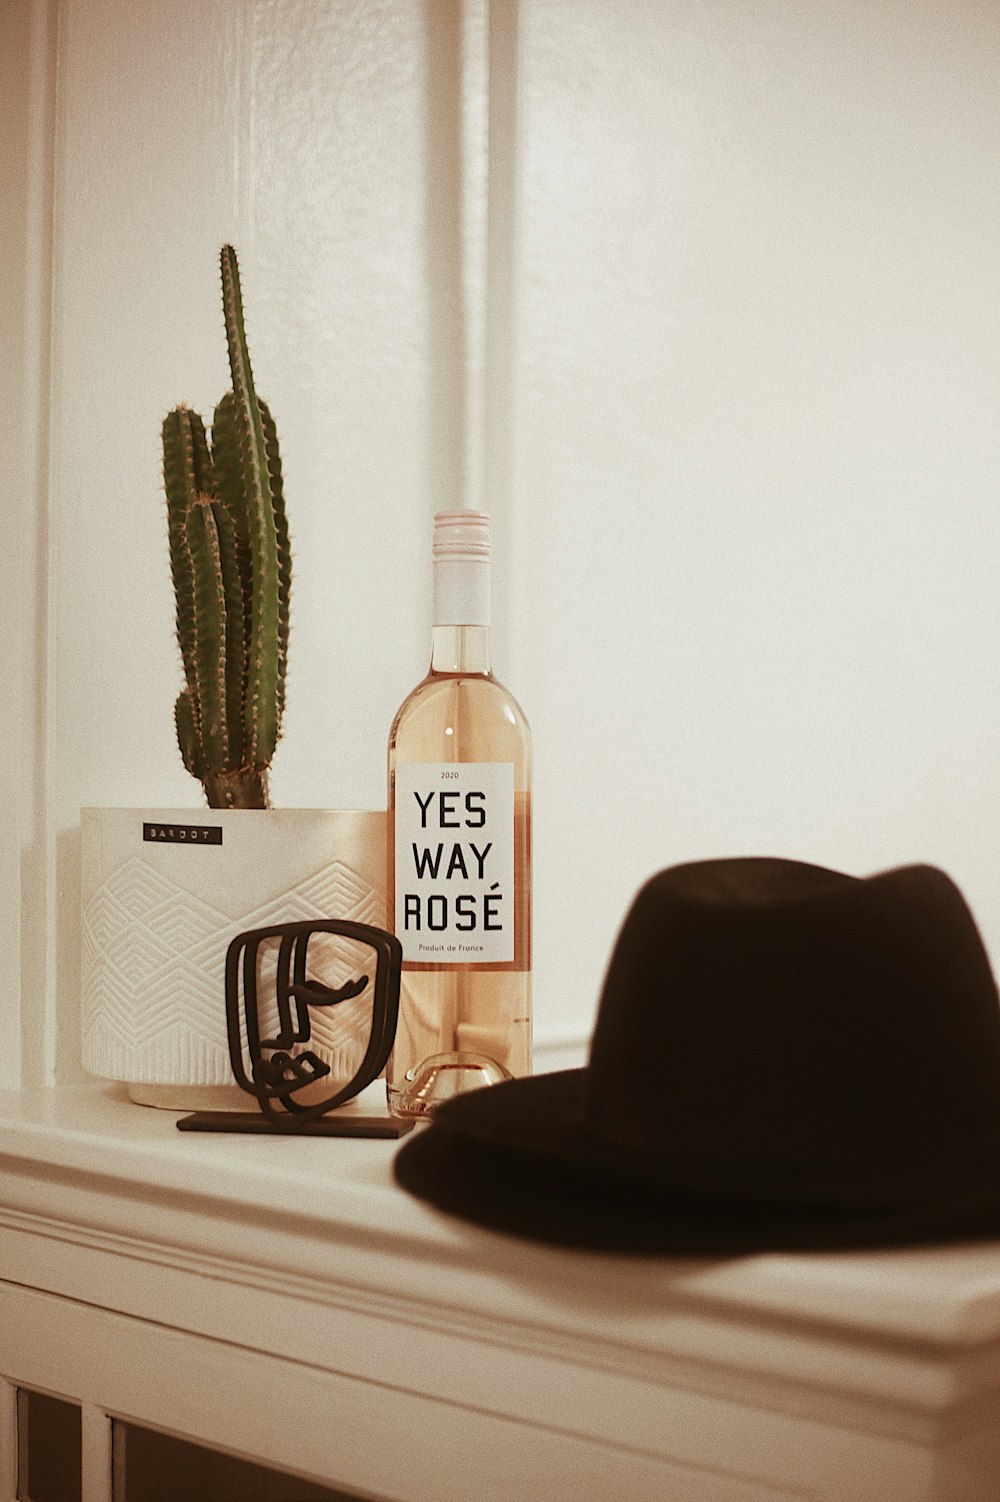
(774, 1018)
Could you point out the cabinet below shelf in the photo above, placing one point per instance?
(282, 1301)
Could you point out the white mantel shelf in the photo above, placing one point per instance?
(396, 1351)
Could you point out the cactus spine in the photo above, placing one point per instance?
(231, 567)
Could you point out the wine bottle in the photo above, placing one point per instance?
(459, 869)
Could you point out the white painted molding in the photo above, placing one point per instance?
(786, 1376)
(560, 1051)
(27, 117)
(314, 1420)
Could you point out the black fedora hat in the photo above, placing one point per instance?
(785, 1057)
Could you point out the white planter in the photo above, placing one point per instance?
(160, 905)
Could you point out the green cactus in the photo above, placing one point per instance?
(231, 566)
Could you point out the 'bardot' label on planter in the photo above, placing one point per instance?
(183, 834)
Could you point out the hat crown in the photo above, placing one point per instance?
(782, 1022)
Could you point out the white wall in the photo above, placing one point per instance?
(745, 471)
(300, 132)
(756, 584)
(297, 132)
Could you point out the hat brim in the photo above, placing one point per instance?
(516, 1158)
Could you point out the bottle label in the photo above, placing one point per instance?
(455, 862)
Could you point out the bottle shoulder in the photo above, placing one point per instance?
(460, 717)
(440, 691)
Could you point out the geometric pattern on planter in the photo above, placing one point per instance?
(153, 959)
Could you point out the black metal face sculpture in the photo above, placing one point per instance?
(276, 1067)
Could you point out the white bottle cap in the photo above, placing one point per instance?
(461, 568)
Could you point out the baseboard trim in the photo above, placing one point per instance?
(563, 1052)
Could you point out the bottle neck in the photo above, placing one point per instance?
(460, 649)
(461, 635)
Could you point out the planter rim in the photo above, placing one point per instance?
(205, 812)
